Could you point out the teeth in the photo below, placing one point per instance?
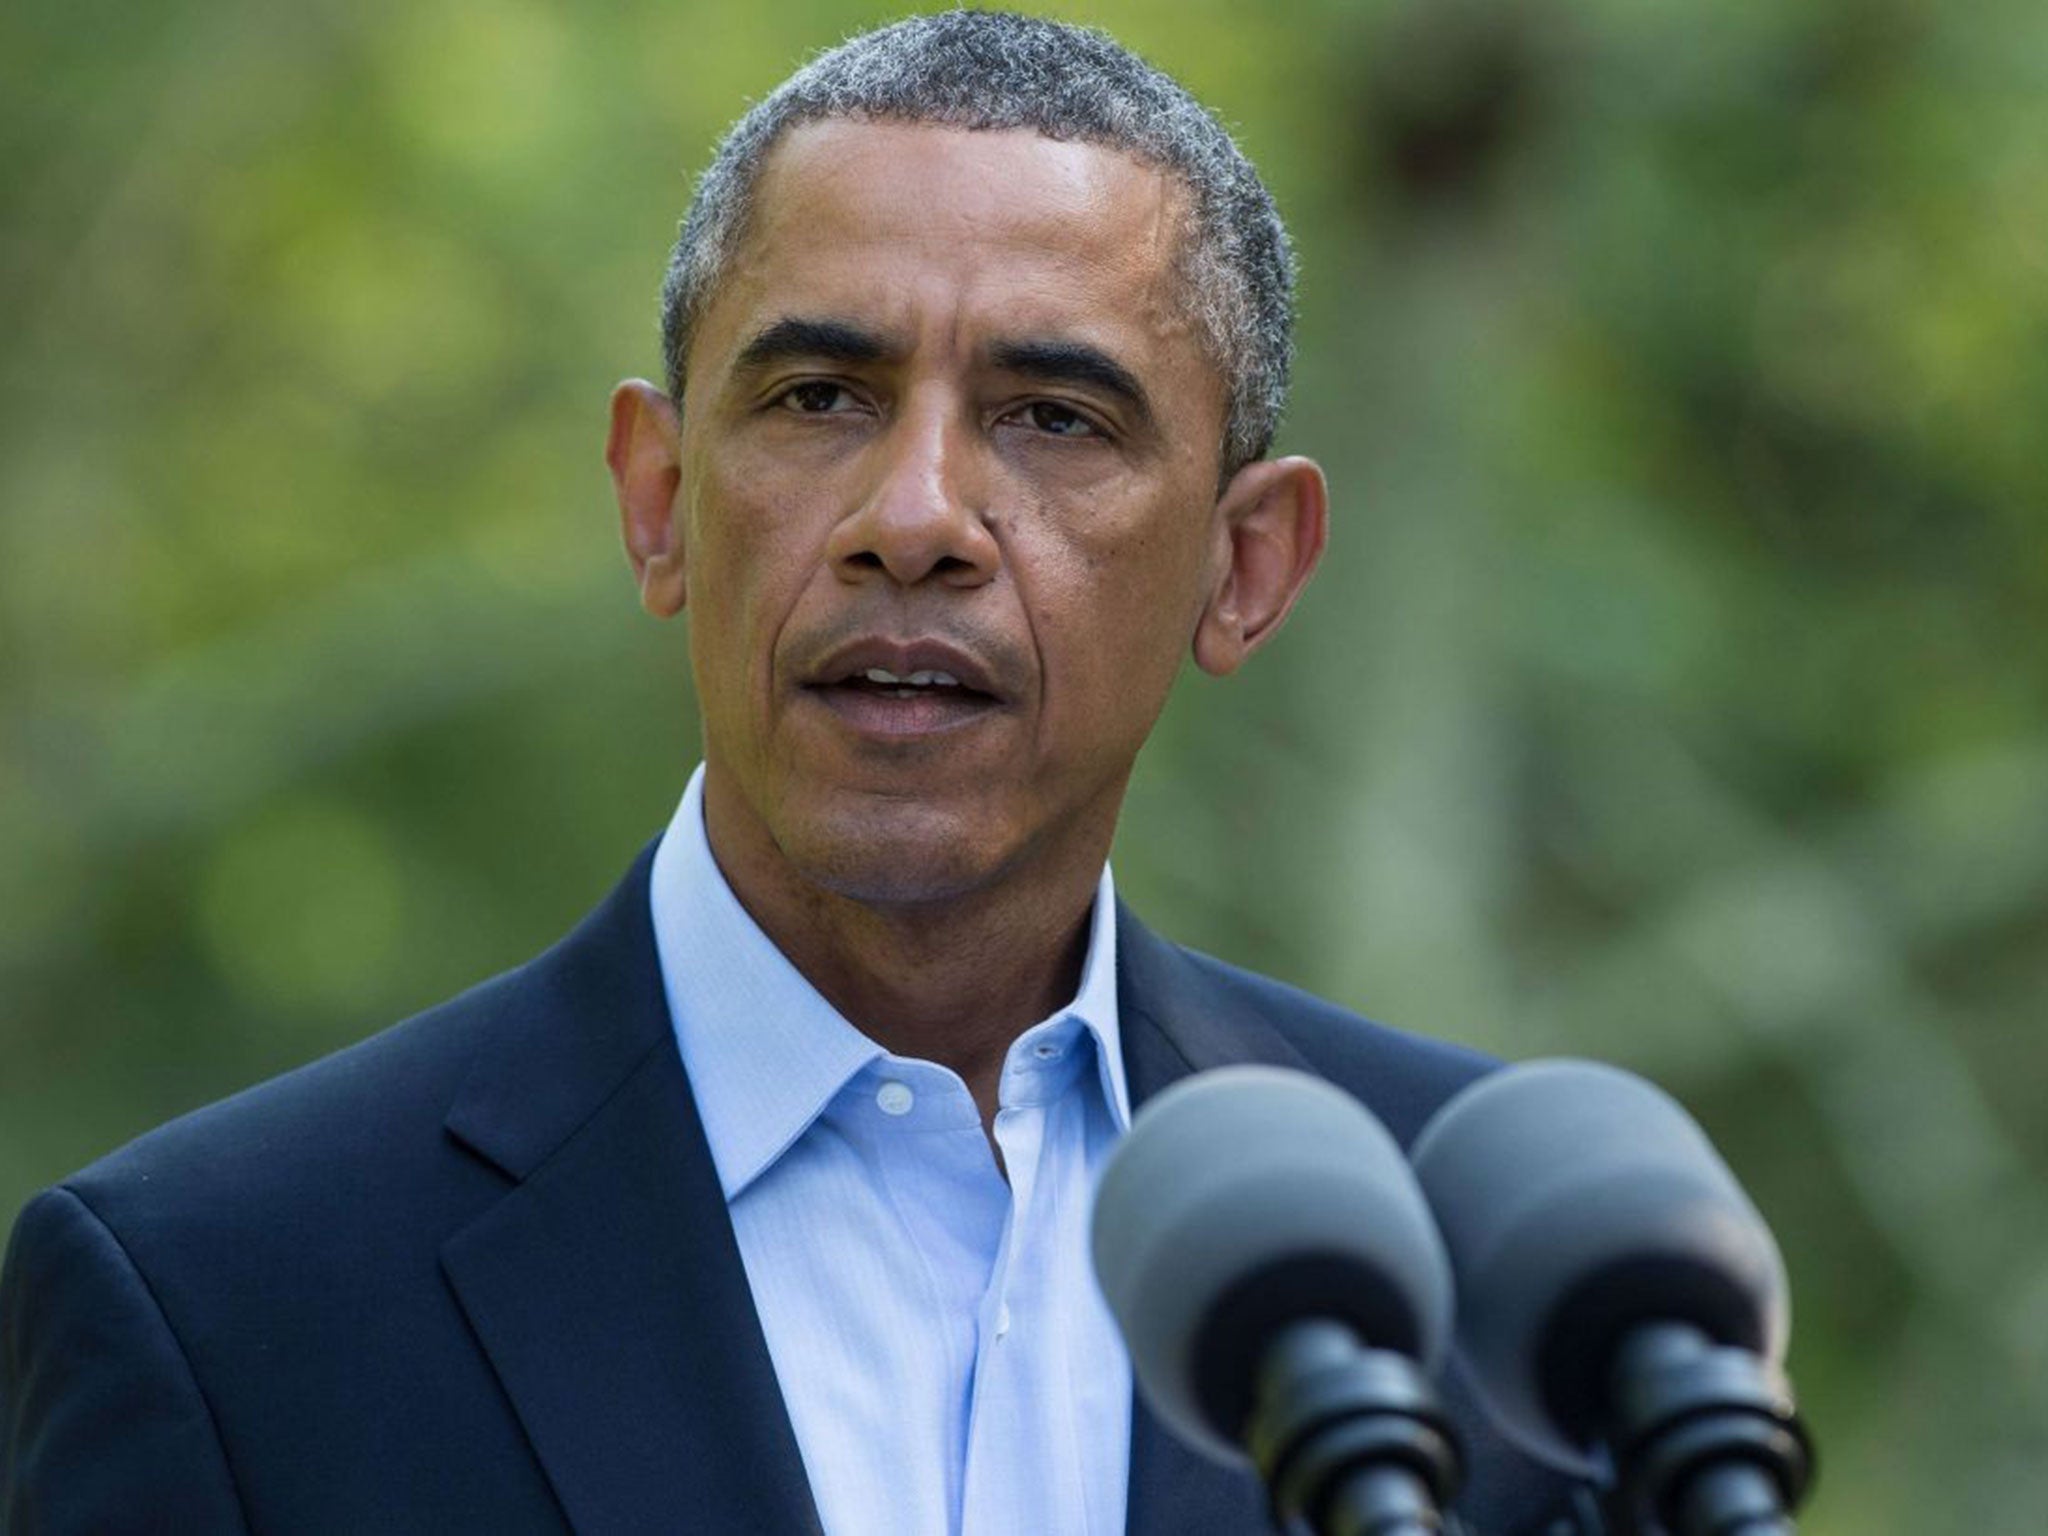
(920, 679)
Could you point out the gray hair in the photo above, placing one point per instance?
(996, 70)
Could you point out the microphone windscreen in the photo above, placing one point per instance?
(1245, 1199)
(1579, 1202)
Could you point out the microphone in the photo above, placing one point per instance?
(1622, 1304)
(1284, 1295)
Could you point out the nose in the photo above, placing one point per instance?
(922, 514)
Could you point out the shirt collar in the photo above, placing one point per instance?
(765, 1052)
(1094, 1003)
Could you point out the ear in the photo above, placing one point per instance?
(1271, 524)
(644, 452)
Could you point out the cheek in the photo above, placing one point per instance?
(751, 551)
(1114, 593)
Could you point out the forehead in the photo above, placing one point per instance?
(920, 228)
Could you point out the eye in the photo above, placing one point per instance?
(816, 397)
(1049, 416)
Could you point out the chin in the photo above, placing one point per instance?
(911, 857)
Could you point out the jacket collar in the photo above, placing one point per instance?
(1174, 1024)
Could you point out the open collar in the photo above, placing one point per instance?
(766, 1052)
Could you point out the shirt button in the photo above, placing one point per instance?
(1003, 1320)
(895, 1098)
(1045, 1050)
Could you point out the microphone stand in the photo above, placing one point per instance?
(1351, 1441)
(1704, 1437)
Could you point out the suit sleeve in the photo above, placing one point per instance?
(103, 1428)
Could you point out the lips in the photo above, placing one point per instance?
(927, 664)
(906, 688)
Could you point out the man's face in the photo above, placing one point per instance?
(946, 519)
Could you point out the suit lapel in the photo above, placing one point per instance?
(1171, 1027)
(606, 1286)
(1175, 1022)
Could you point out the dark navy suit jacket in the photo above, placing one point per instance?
(476, 1275)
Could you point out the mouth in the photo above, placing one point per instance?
(905, 689)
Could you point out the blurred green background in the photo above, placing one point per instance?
(1676, 690)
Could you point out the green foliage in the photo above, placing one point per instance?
(1674, 691)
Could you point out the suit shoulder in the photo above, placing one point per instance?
(378, 1102)
(1403, 1076)
(1321, 1028)
(103, 1426)
(365, 1134)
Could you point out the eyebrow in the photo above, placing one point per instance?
(1074, 362)
(795, 336)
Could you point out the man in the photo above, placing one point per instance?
(759, 1203)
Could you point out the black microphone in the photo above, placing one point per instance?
(1622, 1304)
(1284, 1294)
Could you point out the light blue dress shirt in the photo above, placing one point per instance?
(948, 1363)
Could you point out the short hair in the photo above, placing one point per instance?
(997, 70)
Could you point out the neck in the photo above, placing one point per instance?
(953, 980)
